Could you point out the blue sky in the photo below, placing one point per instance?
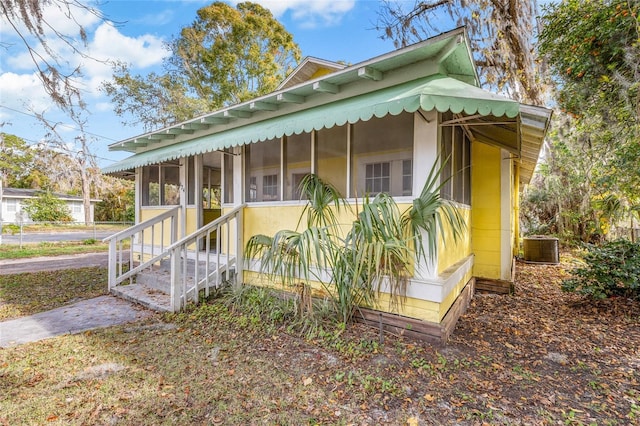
(329, 29)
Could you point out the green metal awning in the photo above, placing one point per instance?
(435, 92)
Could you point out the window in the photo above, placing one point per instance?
(331, 156)
(263, 171)
(76, 208)
(270, 188)
(297, 163)
(407, 177)
(377, 178)
(455, 146)
(210, 187)
(227, 161)
(380, 148)
(12, 205)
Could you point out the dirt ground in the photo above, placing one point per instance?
(537, 357)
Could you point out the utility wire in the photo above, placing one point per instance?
(61, 124)
(95, 156)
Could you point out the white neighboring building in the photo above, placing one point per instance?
(13, 199)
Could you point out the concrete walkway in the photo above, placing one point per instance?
(103, 311)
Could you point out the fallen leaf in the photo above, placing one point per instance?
(412, 421)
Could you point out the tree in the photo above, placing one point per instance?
(592, 48)
(46, 207)
(501, 34)
(15, 157)
(28, 18)
(227, 55)
(118, 202)
(153, 101)
(79, 151)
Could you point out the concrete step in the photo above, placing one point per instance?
(144, 295)
(160, 278)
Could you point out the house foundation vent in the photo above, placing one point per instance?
(541, 249)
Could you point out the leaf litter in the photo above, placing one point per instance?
(539, 356)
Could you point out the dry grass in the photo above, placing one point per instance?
(30, 293)
(13, 251)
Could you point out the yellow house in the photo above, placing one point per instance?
(205, 186)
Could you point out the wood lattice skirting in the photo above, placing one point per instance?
(419, 329)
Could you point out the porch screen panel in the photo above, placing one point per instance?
(263, 171)
(446, 155)
(228, 177)
(331, 156)
(161, 185)
(455, 145)
(382, 150)
(458, 165)
(170, 185)
(297, 163)
(191, 181)
(150, 186)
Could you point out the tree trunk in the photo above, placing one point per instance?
(86, 193)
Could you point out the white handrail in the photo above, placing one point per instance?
(126, 233)
(116, 249)
(212, 275)
(206, 228)
(183, 287)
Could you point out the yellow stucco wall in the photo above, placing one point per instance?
(410, 307)
(270, 219)
(331, 170)
(160, 236)
(485, 214)
(191, 220)
(451, 251)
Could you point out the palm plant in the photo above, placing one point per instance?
(381, 246)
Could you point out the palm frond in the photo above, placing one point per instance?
(324, 202)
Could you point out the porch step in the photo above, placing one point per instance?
(144, 295)
(157, 279)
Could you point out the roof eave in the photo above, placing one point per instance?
(365, 69)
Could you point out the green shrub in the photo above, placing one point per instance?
(10, 228)
(612, 269)
(46, 207)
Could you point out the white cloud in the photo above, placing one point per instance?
(310, 13)
(23, 91)
(109, 44)
(103, 107)
(141, 52)
(63, 16)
